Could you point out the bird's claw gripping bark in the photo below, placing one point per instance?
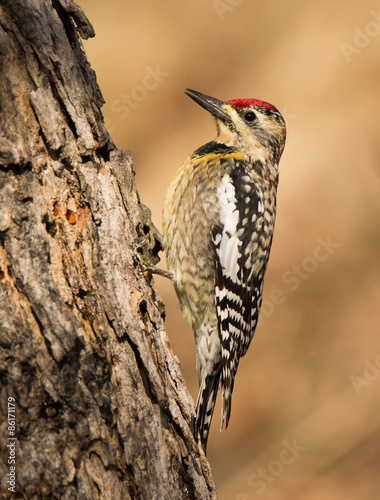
(149, 244)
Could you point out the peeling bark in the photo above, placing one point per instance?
(102, 408)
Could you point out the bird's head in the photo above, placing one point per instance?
(252, 126)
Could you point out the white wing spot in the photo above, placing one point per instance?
(225, 353)
(217, 239)
(233, 297)
(223, 314)
(220, 293)
(225, 334)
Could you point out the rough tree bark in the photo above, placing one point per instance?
(102, 408)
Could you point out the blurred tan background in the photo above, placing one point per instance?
(306, 406)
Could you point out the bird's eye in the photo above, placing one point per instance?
(250, 116)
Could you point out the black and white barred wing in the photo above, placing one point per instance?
(237, 292)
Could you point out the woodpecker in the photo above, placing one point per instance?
(218, 221)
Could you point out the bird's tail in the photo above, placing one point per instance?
(229, 369)
(206, 404)
(227, 388)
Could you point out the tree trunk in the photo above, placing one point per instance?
(101, 408)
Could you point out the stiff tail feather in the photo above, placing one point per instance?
(208, 391)
(229, 368)
(227, 388)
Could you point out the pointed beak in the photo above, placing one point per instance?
(212, 105)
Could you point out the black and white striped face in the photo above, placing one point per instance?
(252, 126)
(257, 130)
